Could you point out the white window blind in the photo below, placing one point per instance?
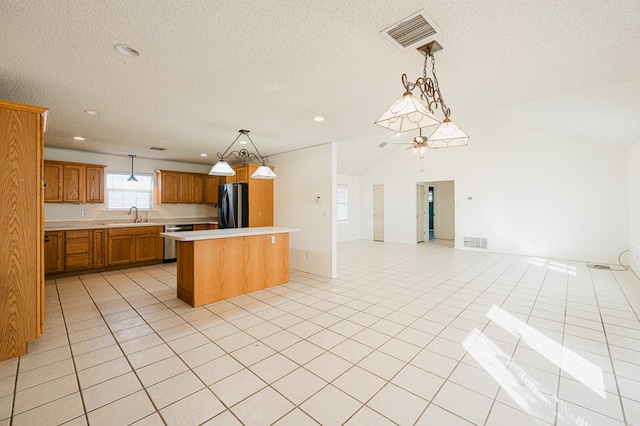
(341, 203)
(122, 194)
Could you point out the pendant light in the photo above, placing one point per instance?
(132, 178)
(222, 168)
(409, 113)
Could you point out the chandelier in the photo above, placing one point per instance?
(222, 168)
(409, 113)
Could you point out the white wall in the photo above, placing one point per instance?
(116, 163)
(633, 258)
(350, 230)
(532, 193)
(304, 175)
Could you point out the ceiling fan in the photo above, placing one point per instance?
(418, 144)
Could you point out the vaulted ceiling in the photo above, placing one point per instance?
(209, 68)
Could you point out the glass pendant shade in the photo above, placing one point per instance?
(447, 135)
(407, 113)
(222, 168)
(132, 178)
(264, 172)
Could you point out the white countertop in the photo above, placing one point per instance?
(106, 224)
(226, 233)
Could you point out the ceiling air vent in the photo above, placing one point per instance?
(155, 148)
(412, 31)
(383, 144)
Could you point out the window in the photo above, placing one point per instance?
(122, 194)
(341, 201)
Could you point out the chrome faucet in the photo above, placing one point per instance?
(138, 218)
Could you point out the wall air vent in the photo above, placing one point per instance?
(474, 242)
(413, 31)
(155, 148)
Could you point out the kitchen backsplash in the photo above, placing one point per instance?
(54, 212)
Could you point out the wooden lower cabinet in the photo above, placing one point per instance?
(99, 246)
(147, 247)
(88, 249)
(130, 245)
(204, 226)
(77, 250)
(54, 252)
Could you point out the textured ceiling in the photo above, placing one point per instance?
(208, 68)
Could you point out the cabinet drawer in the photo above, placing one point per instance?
(76, 246)
(77, 261)
(81, 233)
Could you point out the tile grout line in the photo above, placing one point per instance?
(606, 338)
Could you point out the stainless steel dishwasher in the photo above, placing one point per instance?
(170, 246)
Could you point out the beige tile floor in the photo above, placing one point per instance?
(422, 334)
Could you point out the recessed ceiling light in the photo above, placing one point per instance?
(125, 50)
(203, 155)
(243, 142)
(397, 134)
(91, 112)
(78, 138)
(318, 118)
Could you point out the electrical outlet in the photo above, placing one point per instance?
(306, 254)
(83, 213)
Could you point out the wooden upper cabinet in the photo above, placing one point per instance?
(53, 182)
(185, 188)
(198, 189)
(167, 187)
(211, 189)
(73, 182)
(95, 184)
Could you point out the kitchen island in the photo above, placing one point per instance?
(218, 264)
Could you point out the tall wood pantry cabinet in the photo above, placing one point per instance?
(21, 227)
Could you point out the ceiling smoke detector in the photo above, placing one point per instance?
(412, 31)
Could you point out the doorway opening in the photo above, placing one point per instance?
(435, 211)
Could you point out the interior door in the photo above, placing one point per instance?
(378, 212)
(421, 213)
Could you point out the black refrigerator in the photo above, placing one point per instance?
(233, 205)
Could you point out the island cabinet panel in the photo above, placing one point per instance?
(53, 182)
(54, 252)
(215, 269)
(21, 227)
